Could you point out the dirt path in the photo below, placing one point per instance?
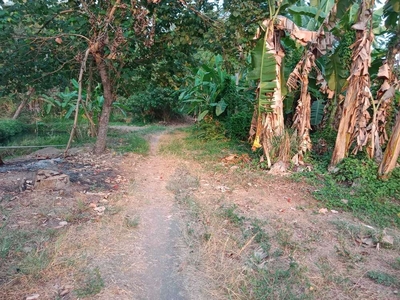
(147, 265)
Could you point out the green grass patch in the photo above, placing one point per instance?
(354, 187)
(204, 150)
(92, 283)
(383, 278)
(128, 142)
(280, 283)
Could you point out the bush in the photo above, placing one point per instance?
(153, 104)
(9, 128)
(238, 125)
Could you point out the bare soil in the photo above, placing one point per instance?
(165, 227)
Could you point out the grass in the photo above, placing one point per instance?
(224, 233)
(383, 278)
(355, 188)
(92, 283)
(200, 149)
(131, 222)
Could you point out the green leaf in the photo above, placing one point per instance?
(220, 107)
(202, 115)
(317, 112)
(264, 65)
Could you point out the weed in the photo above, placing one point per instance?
(370, 199)
(284, 239)
(261, 237)
(131, 222)
(396, 263)
(92, 284)
(383, 278)
(280, 283)
(229, 214)
(35, 262)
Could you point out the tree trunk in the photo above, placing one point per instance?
(355, 116)
(392, 152)
(101, 141)
(23, 103)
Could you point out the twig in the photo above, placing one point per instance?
(247, 244)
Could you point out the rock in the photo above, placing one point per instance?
(100, 210)
(63, 223)
(33, 297)
(345, 201)
(51, 180)
(369, 242)
(334, 211)
(47, 153)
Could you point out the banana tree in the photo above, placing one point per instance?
(268, 120)
(355, 117)
(390, 88)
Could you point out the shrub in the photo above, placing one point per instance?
(238, 125)
(9, 128)
(153, 104)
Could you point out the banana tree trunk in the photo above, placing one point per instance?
(268, 121)
(392, 151)
(355, 116)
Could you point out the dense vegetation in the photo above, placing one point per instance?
(288, 76)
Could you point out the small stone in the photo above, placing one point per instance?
(395, 292)
(33, 297)
(334, 211)
(345, 201)
(323, 211)
(100, 210)
(63, 223)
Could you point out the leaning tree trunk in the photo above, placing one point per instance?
(355, 116)
(101, 141)
(23, 103)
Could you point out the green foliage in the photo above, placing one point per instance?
(63, 104)
(383, 278)
(209, 129)
(317, 112)
(352, 169)
(356, 182)
(211, 92)
(264, 70)
(10, 128)
(238, 125)
(153, 104)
